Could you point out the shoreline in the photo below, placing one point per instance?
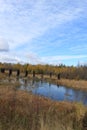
(74, 84)
(70, 83)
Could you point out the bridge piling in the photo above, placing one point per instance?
(26, 73)
(58, 76)
(18, 73)
(50, 74)
(10, 72)
(33, 74)
(2, 70)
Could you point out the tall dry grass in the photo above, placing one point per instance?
(21, 110)
(76, 84)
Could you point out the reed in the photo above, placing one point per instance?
(20, 110)
(76, 84)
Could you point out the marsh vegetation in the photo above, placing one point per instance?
(21, 110)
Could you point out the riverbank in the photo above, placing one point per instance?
(75, 84)
(20, 110)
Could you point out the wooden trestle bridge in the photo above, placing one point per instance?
(26, 72)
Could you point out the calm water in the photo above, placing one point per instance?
(54, 92)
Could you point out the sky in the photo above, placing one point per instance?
(43, 31)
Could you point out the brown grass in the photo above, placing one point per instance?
(20, 110)
(76, 84)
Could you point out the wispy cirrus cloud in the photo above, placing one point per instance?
(12, 59)
(9, 57)
(51, 29)
(33, 58)
(25, 20)
(53, 59)
(64, 57)
(78, 48)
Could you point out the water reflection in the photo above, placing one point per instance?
(55, 92)
(41, 81)
(33, 81)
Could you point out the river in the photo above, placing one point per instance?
(54, 92)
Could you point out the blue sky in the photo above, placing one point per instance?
(43, 31)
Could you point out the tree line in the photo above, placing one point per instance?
(68, 72)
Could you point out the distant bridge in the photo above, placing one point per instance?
(2, 70)
(26, 72)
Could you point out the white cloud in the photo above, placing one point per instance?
(4, 46)
(65, 57)
(6, 58)
(78, 48)
(59, 59)
(35, 59)
(22, 21)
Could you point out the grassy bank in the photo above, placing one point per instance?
(76, 84)
(20, 110)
